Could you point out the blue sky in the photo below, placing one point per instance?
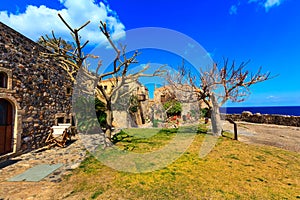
(265, 31)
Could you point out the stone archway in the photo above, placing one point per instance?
(6, 127)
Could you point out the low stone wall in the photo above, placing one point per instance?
(247, 116)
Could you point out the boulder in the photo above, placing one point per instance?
(246, 114)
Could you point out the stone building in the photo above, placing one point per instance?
(35, 94)
(182, 93)
(123, 117)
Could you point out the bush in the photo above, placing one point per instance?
(205, 112)
(100, 112)
(173, 107)
(155, 122)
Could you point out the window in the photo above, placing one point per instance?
(141, 97)
(163, 98)
(60, 120)
(3, 80)
(105, 87)
(69, 91)
(73, 121)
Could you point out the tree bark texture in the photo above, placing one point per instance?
(215, 117)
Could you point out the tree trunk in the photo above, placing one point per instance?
(109, 120)
(215, 117)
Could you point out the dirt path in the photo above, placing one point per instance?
(285, 137)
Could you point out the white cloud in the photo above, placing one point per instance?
(37, 21)
(267, 4)
(190, 45)
(233, 10)
(271, 3)
(273, 99)
(251, 1)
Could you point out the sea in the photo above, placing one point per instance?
(279, 110)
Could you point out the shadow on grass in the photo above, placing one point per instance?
(202, 129)
(132, 138)
(136, 139)
(228, 135)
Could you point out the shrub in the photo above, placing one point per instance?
(173, 107)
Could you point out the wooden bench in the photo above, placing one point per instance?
(59, 135)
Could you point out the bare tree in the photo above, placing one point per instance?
(216, 86)
(73, 59)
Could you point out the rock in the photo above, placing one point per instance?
(75, 166)
(246, 114)
(29, 119)
(56, 180)
(57, 172)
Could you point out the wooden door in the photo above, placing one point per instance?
(6, 127)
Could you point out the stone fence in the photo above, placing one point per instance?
(247, 116)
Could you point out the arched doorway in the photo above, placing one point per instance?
(6, 127)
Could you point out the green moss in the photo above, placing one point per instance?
(96, 194)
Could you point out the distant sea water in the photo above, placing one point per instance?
(280, 110)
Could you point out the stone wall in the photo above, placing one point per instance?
(182, 93)
(266, 118)
(40, 88)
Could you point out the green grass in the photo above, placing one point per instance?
(143, 140)
(232, 170)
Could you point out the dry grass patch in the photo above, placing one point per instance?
(233, 170)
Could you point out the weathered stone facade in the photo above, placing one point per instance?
(185, 95)
(122, 116)
(265, 118)
(38, 90)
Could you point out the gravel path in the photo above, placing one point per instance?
(70, 156)
(285, 137)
